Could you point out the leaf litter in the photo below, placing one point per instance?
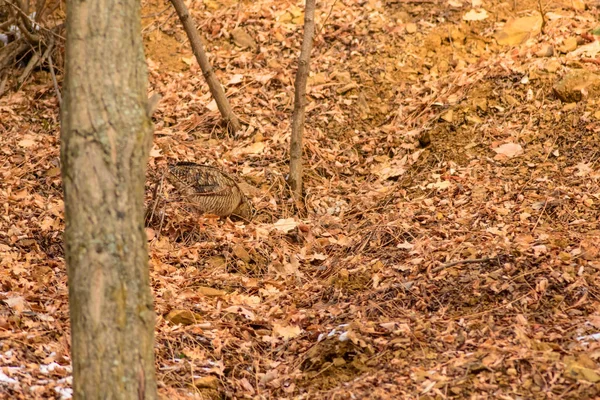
(465, 266)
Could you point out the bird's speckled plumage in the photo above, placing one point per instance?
(211, 190)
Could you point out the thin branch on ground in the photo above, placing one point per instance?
(458, 262)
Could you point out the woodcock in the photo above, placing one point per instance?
(212, 191)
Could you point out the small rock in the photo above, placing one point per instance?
(511, 100)
(577, 84)
(211, 5)
(342, 77)
(346, 88)
(552, 66)
(433, 41)
(568, 45)
(274, 64)
(425, 139)
(546, 50)
(481, 103)
(411, 27)
(402, 16)
(576, 371)
(473, 119)
(443, 66)
(208, 382)
(457, 36)
(183, 317)
(339, 361)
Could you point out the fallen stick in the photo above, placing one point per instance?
(458, 262)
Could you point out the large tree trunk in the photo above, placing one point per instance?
(106, 135)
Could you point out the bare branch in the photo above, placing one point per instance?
(6, 24)
(3, 84)
(233, 123)
(298, 116)
(54, 81)
(33, 62)
(31, 37)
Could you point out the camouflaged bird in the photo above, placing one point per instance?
(209, 189)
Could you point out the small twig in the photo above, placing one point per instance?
(11, 52)
(591, 60)
(54, 81)
(40, 8)
(24, 22)
(541, 9)
(458, 262)
(3, 84)
(156, 14)
(33, 62)
(46, 11)
(24, 7)
(160, 226)
(152, 26)
(541, 215)
(323, 370)
(32, 37)
(23, 15)
(6, 24)
(155, 197)
(152, 104)
(326, 18)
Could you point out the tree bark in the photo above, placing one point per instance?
(106, 135)
(295, 178)
(232, 121)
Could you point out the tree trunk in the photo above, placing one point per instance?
(106, 134)
(295, 178)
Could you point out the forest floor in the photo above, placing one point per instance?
(450, 243)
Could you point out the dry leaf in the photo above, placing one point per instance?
(509, 150)
(210, 292)
(249, 315)
(235, 79)
(517, 31)
(286, 331)
(285, 225)
(28, 142)
(183, 317)
(475, 15)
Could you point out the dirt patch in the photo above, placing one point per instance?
(169, 50)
